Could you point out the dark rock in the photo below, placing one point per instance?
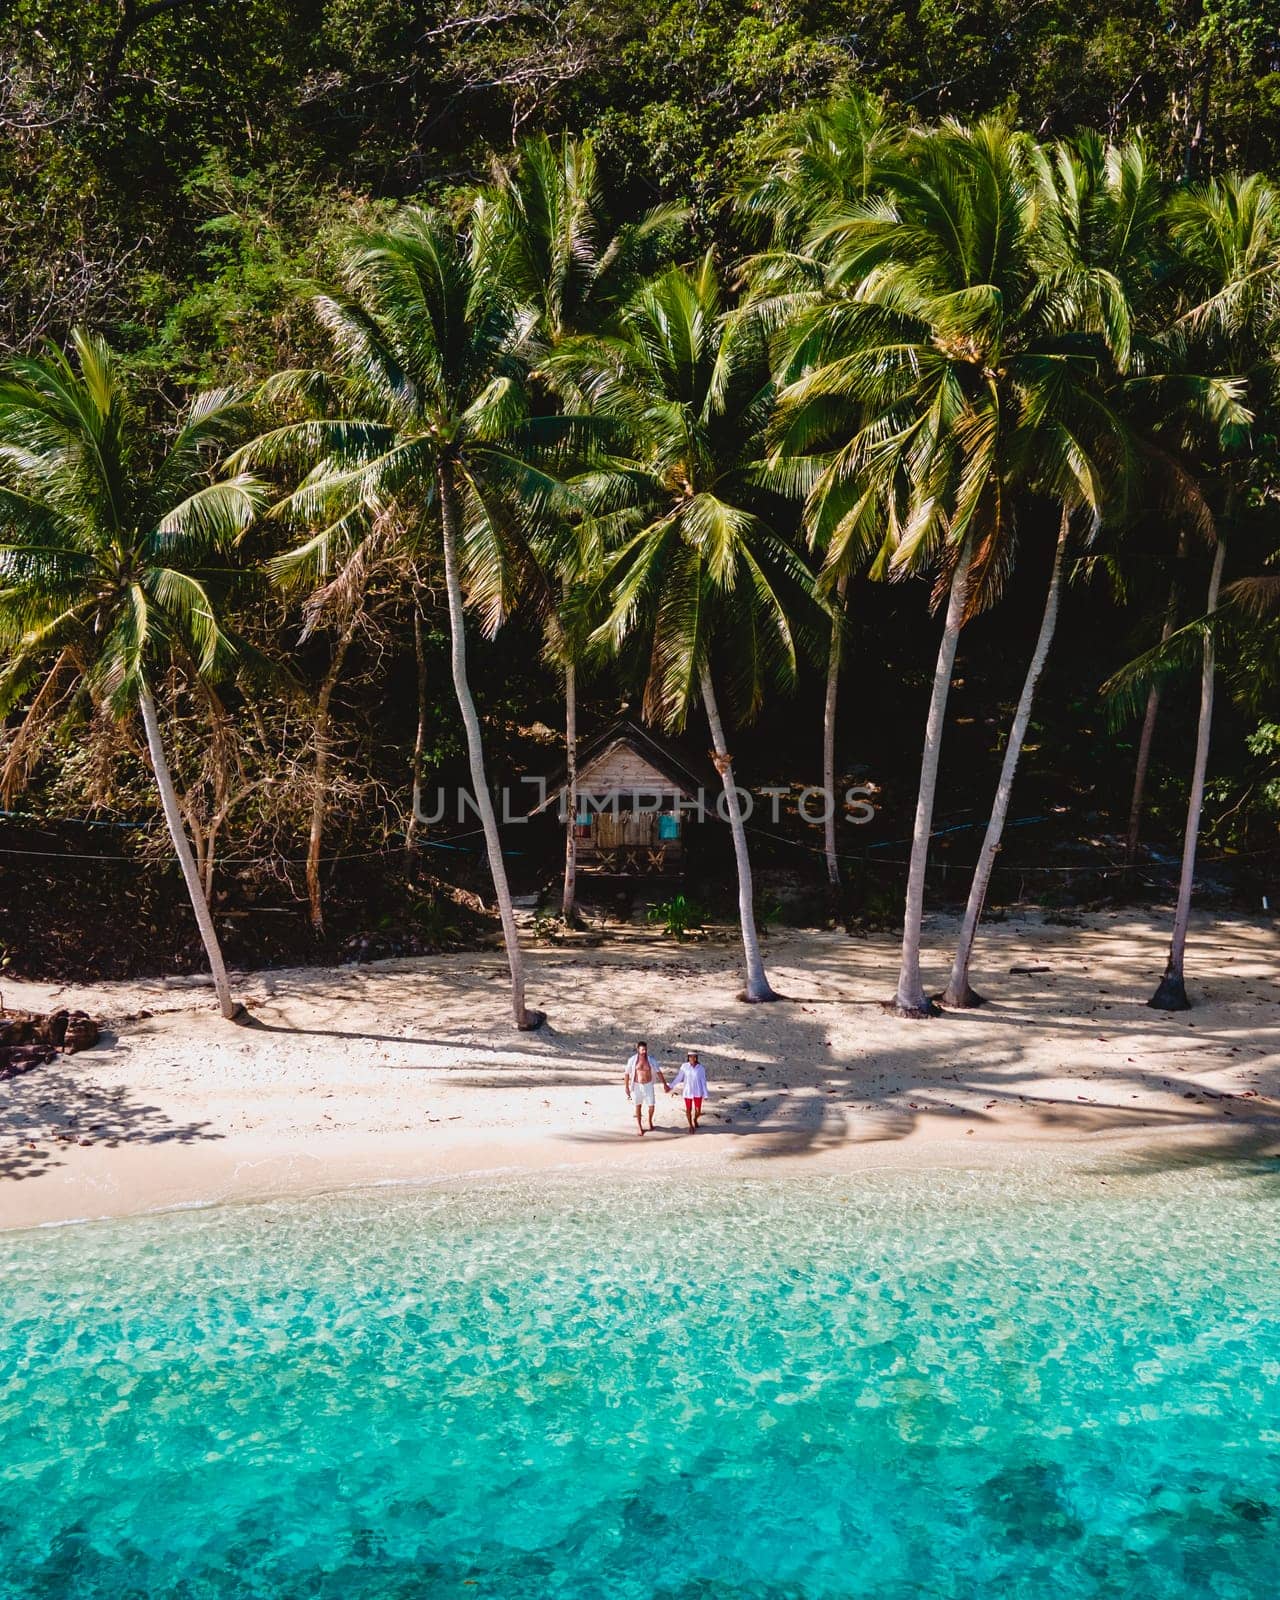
(80, 1032)
(16, 1059)
(28, 1039)
(19, 1027)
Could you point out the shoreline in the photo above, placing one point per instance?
(1094, 1157)
(405, 1071)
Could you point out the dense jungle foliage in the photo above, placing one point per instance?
(183, 180)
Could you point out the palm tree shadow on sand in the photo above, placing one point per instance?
(51, 1109)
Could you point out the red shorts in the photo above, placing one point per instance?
(694, 1100)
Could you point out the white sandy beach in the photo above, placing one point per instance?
(409, 1070)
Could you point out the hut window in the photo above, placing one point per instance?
(668, 826)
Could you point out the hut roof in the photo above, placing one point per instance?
(684, 772)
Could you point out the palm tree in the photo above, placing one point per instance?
(959, 994)
(1227, 234)
(425, 424)
(713, 588)
(107, 541)
(942, 339)
(547, 228)
(806, 164)
(1102, 236)
(810, 164)
(1171, 991)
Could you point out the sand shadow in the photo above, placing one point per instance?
(257, 1025)
(50, 1109)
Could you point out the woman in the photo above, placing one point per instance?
(692, 1078)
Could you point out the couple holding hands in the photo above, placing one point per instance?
(641, 1083)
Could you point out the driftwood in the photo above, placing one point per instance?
(31, 1038)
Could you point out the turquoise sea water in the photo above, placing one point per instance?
(964, 1385)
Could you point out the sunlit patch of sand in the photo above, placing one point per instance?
(409, 1069)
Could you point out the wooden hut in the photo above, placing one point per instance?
(638, 796)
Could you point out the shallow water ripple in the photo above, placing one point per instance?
(971, 1385)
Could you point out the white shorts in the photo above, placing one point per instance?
(642, 1094)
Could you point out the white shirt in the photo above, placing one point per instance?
(693, 1077)
(635, 1062)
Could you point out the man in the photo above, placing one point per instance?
(692, 1078)
(640, 1087)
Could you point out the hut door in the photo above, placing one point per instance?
(641, 827)
(627, 828)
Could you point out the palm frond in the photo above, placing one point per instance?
(1125, 691)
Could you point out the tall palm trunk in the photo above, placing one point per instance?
(910, 999)
(958, 993)
(320, 778)
(420, 737)
(524, 1019)
(1140, 768)
(757, 987)
(568, 900)
(182, 849)
(1171, 993)
(1147, 737)
(829, 736)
